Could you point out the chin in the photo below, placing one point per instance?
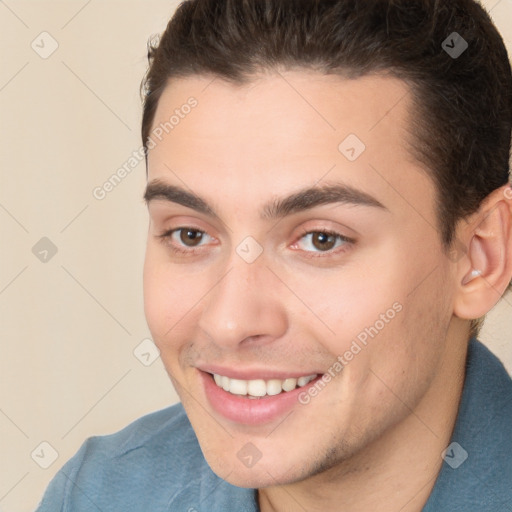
(251, 478)
(235, 466)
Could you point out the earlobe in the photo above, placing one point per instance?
(486, 270)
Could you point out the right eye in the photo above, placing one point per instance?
(179, 239)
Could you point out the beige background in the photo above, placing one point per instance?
(70, 325)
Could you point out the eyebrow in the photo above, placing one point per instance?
(302, 200)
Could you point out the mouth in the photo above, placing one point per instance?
(256, 401)
(259, 388)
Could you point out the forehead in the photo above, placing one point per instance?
(283, 131)
(308, 104)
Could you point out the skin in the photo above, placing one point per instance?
(372, 438)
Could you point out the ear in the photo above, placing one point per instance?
(485, 271)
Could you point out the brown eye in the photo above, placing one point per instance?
(326, 242)
(190, 237)
(323, 241)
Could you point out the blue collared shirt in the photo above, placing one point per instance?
(155, 464)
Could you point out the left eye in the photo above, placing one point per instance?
(321, 241)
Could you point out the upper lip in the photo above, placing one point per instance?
(255, 373)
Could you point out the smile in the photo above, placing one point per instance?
(258, 388)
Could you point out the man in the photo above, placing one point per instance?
(330, 220)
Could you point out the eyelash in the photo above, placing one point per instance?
(166, 239)
(331, 252)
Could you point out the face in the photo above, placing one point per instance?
(281, 249)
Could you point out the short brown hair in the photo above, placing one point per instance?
(462, 124)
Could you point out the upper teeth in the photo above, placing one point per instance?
(260, 387)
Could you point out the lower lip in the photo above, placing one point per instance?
(248, 411)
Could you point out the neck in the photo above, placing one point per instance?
(399, 469)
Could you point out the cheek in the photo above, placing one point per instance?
(167, 298)
(173, 296)
(155, 300)
(345, 306)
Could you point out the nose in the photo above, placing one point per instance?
(244, 306)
